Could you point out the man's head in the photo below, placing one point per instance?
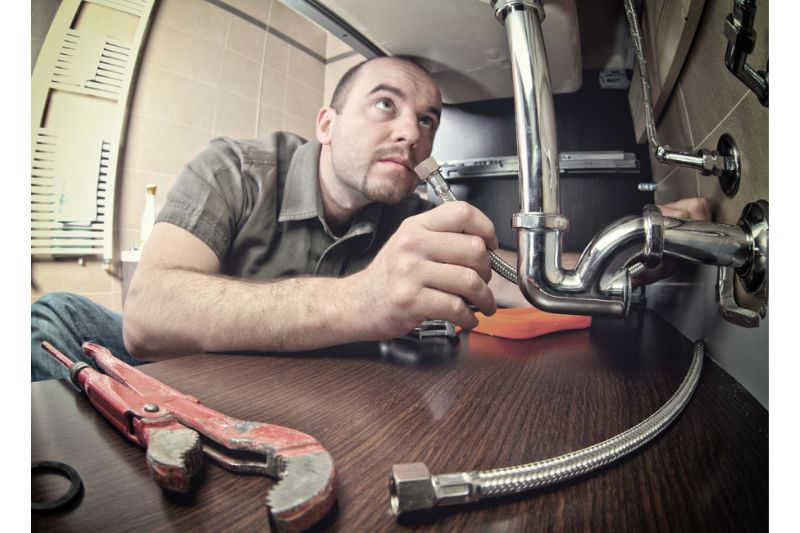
(380, 124)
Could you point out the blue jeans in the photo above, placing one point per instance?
(67, 321)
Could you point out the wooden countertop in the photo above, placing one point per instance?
(491, 403)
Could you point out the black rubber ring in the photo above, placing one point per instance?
(65, 470)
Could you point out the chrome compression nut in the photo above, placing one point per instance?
(411, 488)
(713, 162)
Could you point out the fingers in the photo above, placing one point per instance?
(460, 217)
(457, 249)
(459, 281)
(430, 268)
(693, 208)
(441, 305)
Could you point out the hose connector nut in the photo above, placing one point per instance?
(426, 169)
(411, 488)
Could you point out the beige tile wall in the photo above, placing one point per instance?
(205, 72)
(707, 102)
(340, 59)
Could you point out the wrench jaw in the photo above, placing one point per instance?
(175, 458)
(305, 493)
(177, 431)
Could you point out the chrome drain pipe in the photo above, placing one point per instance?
(602, 277)
(600, 283)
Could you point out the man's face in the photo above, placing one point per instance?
(385, 128)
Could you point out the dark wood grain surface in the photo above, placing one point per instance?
(492, 403)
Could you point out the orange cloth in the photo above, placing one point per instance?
(527, 322)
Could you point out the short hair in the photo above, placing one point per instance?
(343, 87)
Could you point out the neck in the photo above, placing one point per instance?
(340, 203)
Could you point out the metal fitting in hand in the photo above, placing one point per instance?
(428, 171)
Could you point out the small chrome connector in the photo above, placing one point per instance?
(412, 489)
(428, 171)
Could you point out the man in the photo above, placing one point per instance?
(281, 245)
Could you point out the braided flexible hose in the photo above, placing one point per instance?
(505, 481)
(636, 37)
(413, 489)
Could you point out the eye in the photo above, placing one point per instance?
(426, 122)
(384, 104)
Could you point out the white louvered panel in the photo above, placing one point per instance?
(95, 63)
(80, 88)
(134, 7)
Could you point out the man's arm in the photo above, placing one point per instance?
(178, 303)
(508, 294)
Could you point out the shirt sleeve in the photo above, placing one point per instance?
(207, 198)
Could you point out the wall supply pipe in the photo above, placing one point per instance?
(724, 162)
(741, 35)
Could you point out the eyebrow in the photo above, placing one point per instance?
(400, 94)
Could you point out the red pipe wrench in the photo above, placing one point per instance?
(176, 429)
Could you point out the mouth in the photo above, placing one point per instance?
(398, 161)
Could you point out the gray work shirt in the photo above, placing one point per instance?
(256, 204)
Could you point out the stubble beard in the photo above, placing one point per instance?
(373, 191)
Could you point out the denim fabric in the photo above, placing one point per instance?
(67, 321)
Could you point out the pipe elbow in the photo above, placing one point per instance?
(553, 300)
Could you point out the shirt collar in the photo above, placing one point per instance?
(301, 196)
(301, 191)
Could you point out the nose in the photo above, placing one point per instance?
(406, 129)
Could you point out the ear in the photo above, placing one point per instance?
(325, 119)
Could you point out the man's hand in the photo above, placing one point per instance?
(693, 208)
(429, 269)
